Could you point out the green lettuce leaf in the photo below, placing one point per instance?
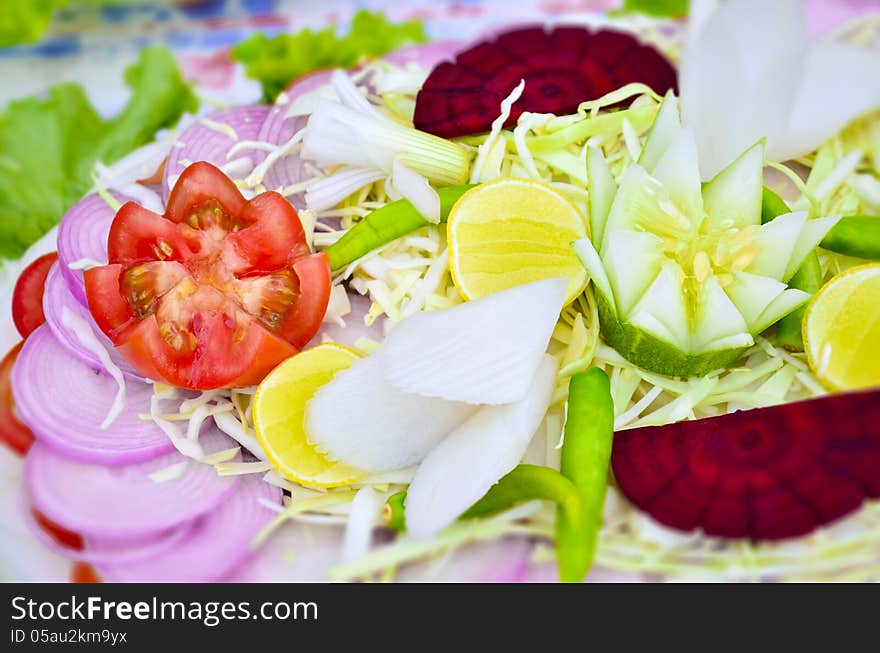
(49, 145)
(657, 8)
(25, 21)
(275, 62)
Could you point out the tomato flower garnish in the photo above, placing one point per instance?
(216, 292)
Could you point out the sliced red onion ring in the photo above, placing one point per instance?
(296, 552)
(210, 139)
(303, 553)
(82, 235)
(98, 550)
(218, 544)
(496, 561)
(57, 296)
(124, 503)
(428, 55)
(63, 401)
(288, 170)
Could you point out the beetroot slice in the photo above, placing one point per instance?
(765, 474)
(561, 67)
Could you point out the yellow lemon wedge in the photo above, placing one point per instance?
(510, 231)
(279, 411)
(842, 330)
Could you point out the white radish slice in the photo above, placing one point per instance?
(664, 131)
(364, 421)
(679, 172)
(663, 305)
(590, 259)
(830, 70)
(733, 197)
(365, 511)
(484, 351)
(752, 294)
(632, 262)
(718, 317)
(124, 502)
(218, 544)
(748, 49)
(776, 241)
(787, 301)
(602, 189)
(811, 235)
(463, 467)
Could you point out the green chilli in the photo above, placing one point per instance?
(394, 512)
(808, 277)
(855, 235)
(586, 454)
(385, 225)
(579, 491)
(772, 206)
(529, 482)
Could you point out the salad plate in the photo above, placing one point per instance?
(566, 300)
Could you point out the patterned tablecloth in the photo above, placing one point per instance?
(93, 45)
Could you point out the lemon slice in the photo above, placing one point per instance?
(508, 232)
(279, 411)
(842, 330)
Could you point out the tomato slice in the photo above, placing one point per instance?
(27, 298)
(58, 533)
(157, 176)
(81, 572)
(13, 433)
(216, 292)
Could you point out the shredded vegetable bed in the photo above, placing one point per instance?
(412, 274)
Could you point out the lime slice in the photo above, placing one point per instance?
(842, 329)
(509, 232)
(279, 411)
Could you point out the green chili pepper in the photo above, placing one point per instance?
(772, 206)
(586, 453)
(528, 482)
(384, 225)
(524, 483)
(808, 277)
(855, 235)
(394, 513)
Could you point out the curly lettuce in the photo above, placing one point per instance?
(49, 145)
(275, 62)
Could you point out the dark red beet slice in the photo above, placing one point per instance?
(562, 68)
(765, 474)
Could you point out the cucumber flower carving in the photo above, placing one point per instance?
(749, 71)
(685, 273)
